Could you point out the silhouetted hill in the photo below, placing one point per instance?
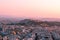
(30, 22)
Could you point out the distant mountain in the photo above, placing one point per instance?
(7, 20)
(50, 19)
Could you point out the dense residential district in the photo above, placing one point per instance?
(30, 30)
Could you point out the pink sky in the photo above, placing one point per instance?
(30, 8)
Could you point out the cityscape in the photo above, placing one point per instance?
(28, 29)
(29, 19)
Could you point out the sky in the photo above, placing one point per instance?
(30, 8)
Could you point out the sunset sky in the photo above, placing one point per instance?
(30, 8)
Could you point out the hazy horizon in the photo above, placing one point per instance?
(30, 8)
